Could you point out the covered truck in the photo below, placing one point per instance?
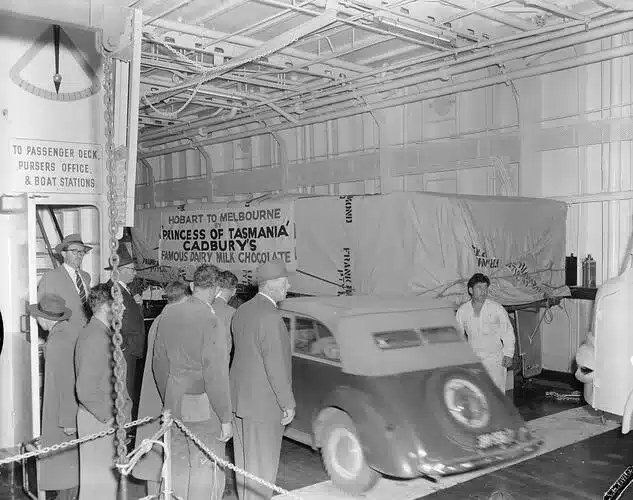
(405, 243)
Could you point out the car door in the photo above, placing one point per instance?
(316, 370)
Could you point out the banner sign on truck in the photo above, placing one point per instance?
(237, 238)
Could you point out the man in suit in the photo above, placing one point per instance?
(58, 471)
(132, 323)
(93, 367)
(261, 382)
(191, 369)
(149, 467)
(228, 286)
(68, 281)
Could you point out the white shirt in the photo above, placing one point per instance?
(73, 276)
(490, 331)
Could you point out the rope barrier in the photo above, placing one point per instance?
(74, 442)
(229, 465)
(145, 447)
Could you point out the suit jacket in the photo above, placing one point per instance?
(59, 282)
(93, 369)
(225, 312)
(261, 378)
(132, 326)
(190, 358)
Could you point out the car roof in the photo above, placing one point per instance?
(333, 308)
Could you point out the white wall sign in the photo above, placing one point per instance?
(55, 166)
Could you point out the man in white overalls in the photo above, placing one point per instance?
(488, 329)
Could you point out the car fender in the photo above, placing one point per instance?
(385, 450)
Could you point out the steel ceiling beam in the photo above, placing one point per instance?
(568, 63)
(218, 11)
(525, 46)
(555, 9)
(468, 12)
(276, 68)
(250, 42)
(269, 47)
(166, 12)
(494, 15)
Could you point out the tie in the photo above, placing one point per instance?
(82, 290)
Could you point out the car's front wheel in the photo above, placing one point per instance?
(343, 456)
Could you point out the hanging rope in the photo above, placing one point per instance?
(117, 339)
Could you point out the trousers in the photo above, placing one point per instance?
(492, 362)
(98, 479)
(195, 475)
(257, 447)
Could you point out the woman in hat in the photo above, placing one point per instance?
(59, 471)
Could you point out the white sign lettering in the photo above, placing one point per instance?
(59, 167)
(237, 238)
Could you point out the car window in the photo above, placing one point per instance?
(440, 334)
(399, 339)
(314, 339)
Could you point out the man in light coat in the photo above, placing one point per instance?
(69, 281)
(261, 381)
(191, 369)
(58, 471)
(488, 329)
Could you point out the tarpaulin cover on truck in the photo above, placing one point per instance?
(413, 243)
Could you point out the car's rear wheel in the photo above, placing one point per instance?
(343, 456)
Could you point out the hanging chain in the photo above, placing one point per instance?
(119, 362)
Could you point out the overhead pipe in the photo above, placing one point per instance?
(243, 41)
(622, 51)
(439, 71)
(577, 29)
(418, 60)
(473, 63)
(362, 72)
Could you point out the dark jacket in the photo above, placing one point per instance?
(132, 326)
(261, 379)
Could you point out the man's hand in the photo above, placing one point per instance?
(227, 432)
(288, 415)
(507, 362)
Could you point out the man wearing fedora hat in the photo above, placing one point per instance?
(261, 381)
(69, 281)
(58, 471)
(132, 323)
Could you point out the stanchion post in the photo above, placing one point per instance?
(167, 420)
(122, 486)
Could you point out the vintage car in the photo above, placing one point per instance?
(387, 386)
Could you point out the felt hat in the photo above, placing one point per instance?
(71, 239)
(271, 270)
(50, 306)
